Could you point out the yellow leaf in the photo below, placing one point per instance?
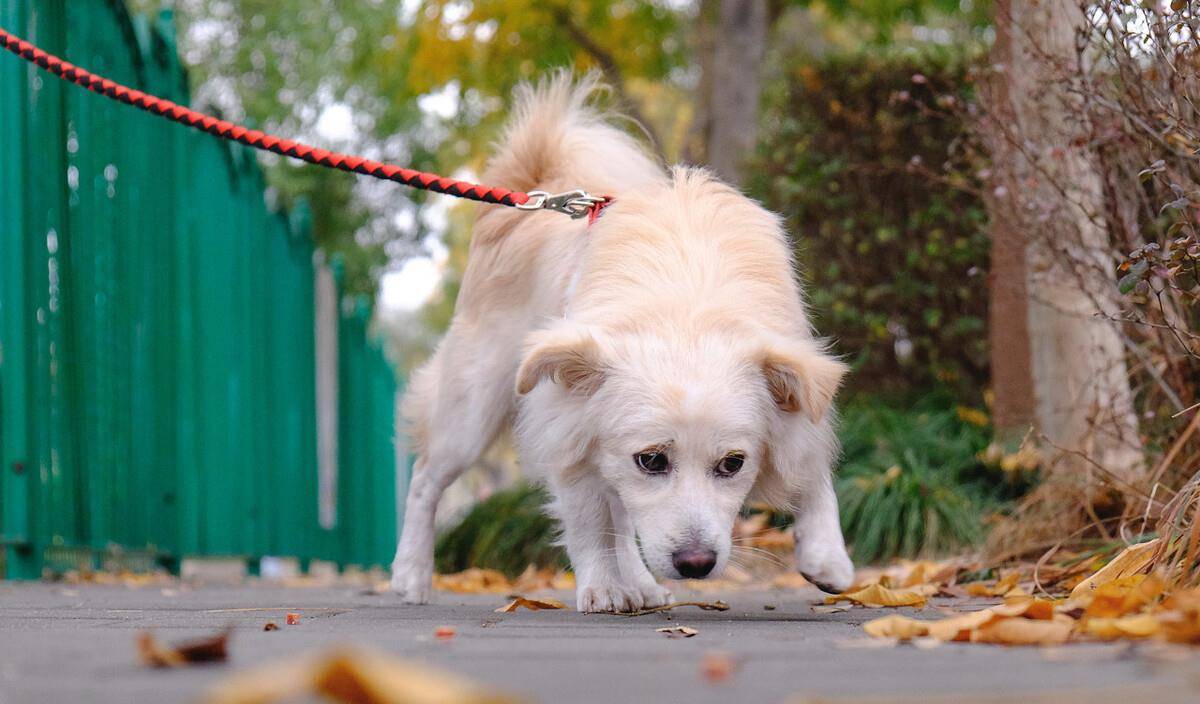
(1132, 560)
(896, 626)
(531, 604)
(879, 595)
(1000, 588)
(1125, 595)
(1023, 631)
(960, 627)
(357, 675)
(1027, 607)
(1140, 626)
(473, 581)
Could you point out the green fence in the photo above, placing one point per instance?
(158, 367)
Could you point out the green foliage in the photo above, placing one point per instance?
(508, 531)
(911, 481)
(894, 254)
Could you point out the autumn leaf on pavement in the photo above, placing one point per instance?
(1132, 560)
(677, 631)
(544, 603)
(1023, 631)
(896, 626)
(352, 675)
(878, 595)
(1140, 626)
(206, 650)
(1000, 588)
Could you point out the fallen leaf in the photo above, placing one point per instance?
(544, 603)
(293, 619)
(475, 580)
(829, 608)
(1026, 606)
(1023, 631)
(1125, 595)
(350, 675)
(1139, 626)
(211, 649)
(1001, 588)
(1132, 560)
(677, 631)
(896, 626)
(702, 605)
(270, 626)
(444, 632)
(879, 595)
(717, 667)
(959, 628)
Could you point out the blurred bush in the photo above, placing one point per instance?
(920, 480)
(894, 257)
(508, 531)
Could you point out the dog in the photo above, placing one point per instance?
(657, 366)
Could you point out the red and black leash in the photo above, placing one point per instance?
(576, 203)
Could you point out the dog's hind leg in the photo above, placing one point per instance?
(457, 405)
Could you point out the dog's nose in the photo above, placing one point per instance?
(694, 563)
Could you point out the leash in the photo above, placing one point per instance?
(576, 203)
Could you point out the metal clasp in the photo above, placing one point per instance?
(577, 203)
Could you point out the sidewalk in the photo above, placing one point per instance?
(68, 643)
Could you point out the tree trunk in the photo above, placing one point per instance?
(731, 89)
(1054, 267)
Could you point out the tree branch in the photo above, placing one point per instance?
(612, 72)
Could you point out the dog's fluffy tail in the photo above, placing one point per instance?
(557, 139)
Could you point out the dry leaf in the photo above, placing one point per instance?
(702, 605)
(1125, 595)
(1001, 588)
(1132, 560)
(896, 626)
(1140, 626)
(543, 603)
(717, 667)
(270, 626)
(211, 649)
(678, 631)
(959, 628)
(1023, 631)
(359, 676)
(1026, 606)
(829, 608)
(879, 595)
(444, 632)
(474, 581)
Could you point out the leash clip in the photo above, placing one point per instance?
(577, 203)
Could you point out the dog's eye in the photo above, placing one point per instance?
(730, 464)
(652, 461)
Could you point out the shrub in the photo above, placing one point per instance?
(894, 260)
(508, 531)
(913, 482)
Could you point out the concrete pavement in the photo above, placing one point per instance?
(70, 643)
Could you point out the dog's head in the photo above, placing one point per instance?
(681, 424)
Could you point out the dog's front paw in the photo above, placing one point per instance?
(654, 594)
(825, 564)
(412, 583)
(607, 597)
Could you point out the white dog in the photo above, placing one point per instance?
(659, 365)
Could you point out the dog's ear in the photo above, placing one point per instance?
(569, 357)
(801, 377)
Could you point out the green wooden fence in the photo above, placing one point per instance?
(157, 357)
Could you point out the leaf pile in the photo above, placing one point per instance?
(477, 580)
(1120, 601)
